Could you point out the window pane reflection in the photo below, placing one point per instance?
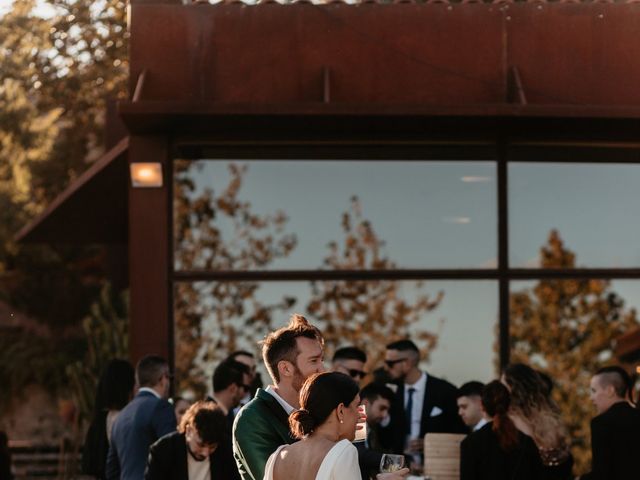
(272, 214)
(453, 321)
(593, 207)
(569, 329)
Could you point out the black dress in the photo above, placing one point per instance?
(96, 447)
(482, 458)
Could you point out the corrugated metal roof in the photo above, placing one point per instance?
(388, 2)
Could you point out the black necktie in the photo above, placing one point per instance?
(409, 410)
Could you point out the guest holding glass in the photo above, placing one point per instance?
(326, 424)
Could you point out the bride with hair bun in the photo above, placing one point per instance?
(326, 426)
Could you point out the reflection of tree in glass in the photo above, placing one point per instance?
(231, 312)
(372, 313)
(568, 329)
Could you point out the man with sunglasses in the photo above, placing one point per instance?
(231, 381)
(423, 403)
(249, 360)
(350, 361)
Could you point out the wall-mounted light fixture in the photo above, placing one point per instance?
(146, 174)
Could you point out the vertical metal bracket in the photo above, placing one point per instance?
(515, 89)
(326, 85)
(139, 86)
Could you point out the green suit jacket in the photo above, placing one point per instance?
(258, 430)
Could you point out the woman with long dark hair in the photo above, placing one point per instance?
(326, 424)
(535, 413)
(114, 391)
(498, 451)
(5, 458)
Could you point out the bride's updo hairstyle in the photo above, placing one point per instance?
(320, 396)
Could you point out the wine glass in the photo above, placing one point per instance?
(391, 463)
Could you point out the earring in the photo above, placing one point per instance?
(341, 421)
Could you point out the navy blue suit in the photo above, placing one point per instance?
(143, 421)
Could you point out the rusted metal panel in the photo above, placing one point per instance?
(434, 54)
(90, 210)
(429, 54)
(576, 53)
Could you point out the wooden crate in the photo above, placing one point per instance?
(442, 455)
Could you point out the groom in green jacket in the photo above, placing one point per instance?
(291, 355)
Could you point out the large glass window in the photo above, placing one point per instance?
(568, 329)
(293, 214)
(374, 250)
(592, 207)
(454, 322)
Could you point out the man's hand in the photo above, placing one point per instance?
(416, 445)
(399, 475)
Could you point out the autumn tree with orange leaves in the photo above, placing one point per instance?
(371, 313)
(212, 318)
(568, 329)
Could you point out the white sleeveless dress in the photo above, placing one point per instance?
(340, 463)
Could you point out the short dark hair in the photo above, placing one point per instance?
(403, 346)
(209, 421)
(320, 395)
(373, 391)
(471, 389)
(239, 353)
(617, 377)
(281, 344)
(350, 353)
(228, 373)
(150, 370)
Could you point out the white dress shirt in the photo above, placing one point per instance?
(198, 470)
(483, 421)
(150, 390)
(287, 408)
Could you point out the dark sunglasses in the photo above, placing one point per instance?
(353, 373)
(391, 363)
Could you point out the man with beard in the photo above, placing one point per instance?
(230, 384)
(377, 401)
(423, 403)
(291, 355)
(197, 451)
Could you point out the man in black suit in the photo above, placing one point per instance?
(199, 450)
(231, 382)
(615, 443)
(423, 403)
(377, 400)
